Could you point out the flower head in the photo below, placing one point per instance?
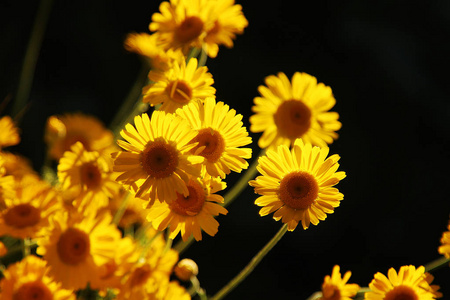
(220, 138)
(29, 279)
(178, 85)
(9, 133)
(408, 284)
(290, 110)
(298, 184)
(190, 214)
(335, 287)
(444, 249)
(156, 163)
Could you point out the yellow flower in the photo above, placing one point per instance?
(30, 210)
(228, 21)
(287, 111)
(186, 269)
(9, 133)
(221, 134)
(29, 279)
(193, 213)
(444, 249)
(87, 176)
(63, 131)
(17, 165)
(147, 45)
(181, 24)
(409, 283)
(157, 163)
(335, 287)
(76, 245)
(171, 291)
(298, 184)
(178, 85)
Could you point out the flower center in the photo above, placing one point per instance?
(293, 119)
(331, 292)
(189, 29)
(90, 175)
(73, 246)
(140, 275)
(22, 215)
(213, 144)
(192, 204)
(179, 91)
(33, 290)
(159, 159)
(401, 292)
(298, 190)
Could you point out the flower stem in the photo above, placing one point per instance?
(436, 264)
(239, 186)
(181, 245)
(31, 56)
(251, 266)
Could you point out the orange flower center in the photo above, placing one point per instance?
(73, 246)
(331, 292)
(90, 175)
(213, 144)
(33, 290)
(189, 29)
(401, 292)
(293, 119)
(192, 204)
(179, 91)
(159, 159)
(22, 215)
(298, 190)
(140, 275)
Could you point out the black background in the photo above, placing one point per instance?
(387, 63)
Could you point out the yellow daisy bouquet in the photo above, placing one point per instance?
(113, 210)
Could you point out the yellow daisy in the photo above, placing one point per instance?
(193, 213)
(221, 134)
(181, 24)
(287, 111)
(30, 210)
(228, 21)
(170, 291)
(157, 162)
(63, 131)
(87, 176)
(298, 184)
(444, 249)
(335, 287)
(76, 245)
(147, 46)
(17, 165)
(178, 85)
(9, 133)
(409, 284)
(29, 279)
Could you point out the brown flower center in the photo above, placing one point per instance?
(298, 190)
(293, 119)
(189, 29)
(401, 292)
(33, 290)
(159, 159)
(213, 144)
(22, 215)
(90, 175)
(331, 292)
(192, 204)
(73, 246)
(179, 91)
(140, 275)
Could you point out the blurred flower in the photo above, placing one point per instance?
(287, 111)
(3, 249)
(409, 283)
(335, 287)
(298, 185)
(185, 269)
(444, 249)
(178, 85)
(156, 162)
(221, 134)
(9, 133)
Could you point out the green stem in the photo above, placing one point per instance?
(251, 266)
(243, 181)
(121, 210)
(181, 245)
(436, 264)
(31, 57)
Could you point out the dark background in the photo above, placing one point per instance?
(387, 63)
